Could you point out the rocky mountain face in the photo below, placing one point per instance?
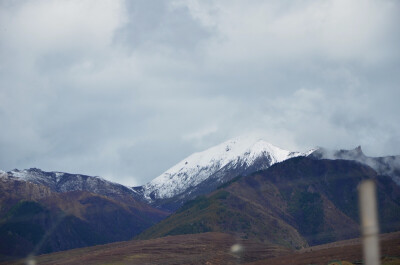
(36, 219)
(203, 172)
(295, 203)
(387, 165)
(64, 182)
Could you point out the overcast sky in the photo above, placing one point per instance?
(126, 89)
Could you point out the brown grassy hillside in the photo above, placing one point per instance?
(205, 248)
(297, 202)
(215, 249)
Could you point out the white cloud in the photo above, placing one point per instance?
(43, 26)
(124, 89)
(276, 30)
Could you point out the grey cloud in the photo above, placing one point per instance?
(153, 81)
(160, 24)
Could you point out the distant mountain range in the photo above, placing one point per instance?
(201, 172)
(245, 186)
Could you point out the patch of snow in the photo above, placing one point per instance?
(3, 174)
(310, 151)
(63, 182)
(20, 174)
(241, 151)
(58, 175)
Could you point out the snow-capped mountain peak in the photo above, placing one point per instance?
(233, 156)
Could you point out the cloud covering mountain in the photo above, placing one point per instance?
(124, 89)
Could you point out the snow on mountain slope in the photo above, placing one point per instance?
(241, 152)
(386, 165)
(63, 182)
(198, 174)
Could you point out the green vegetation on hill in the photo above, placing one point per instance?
(33, 219)
(31, 227)
(24, 210)
(21, 227)
(307, 206)
(294, 203)
(195, 216)
(223, 211)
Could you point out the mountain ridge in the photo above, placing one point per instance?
(64, 182)
(35, 219)
(385, 165)
(296, 202)
(203, 172)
